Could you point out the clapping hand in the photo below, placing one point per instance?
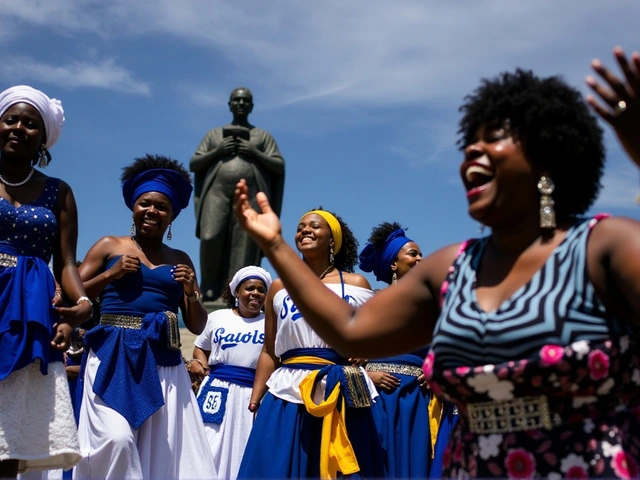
(125, 264)
(263, 226)
(619, 100)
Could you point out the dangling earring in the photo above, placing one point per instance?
(43, 154)
(237, 303)
(169, 236)
(394, 278)
(547, 212)
(133, 228)
(332, 258)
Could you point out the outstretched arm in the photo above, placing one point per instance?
(398, 319)
(619, 100)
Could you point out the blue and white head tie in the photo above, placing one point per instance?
(379, 261)
(162, 180)
(249, 273)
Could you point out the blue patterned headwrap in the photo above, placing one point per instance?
(162, 180)
(379, 261)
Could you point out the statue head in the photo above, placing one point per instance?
(241, 103)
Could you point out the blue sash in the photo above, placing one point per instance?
(26, 314)
(243, 376)
(127, 379)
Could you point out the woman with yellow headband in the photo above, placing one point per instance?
(316, 419)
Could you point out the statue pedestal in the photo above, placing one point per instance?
(212, 306)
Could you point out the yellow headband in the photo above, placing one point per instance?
(334, 225)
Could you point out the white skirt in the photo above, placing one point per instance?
(229, 438)
(170, 444)
(37, 426)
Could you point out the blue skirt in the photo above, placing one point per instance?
(403, 424)
(285, 442)
(449, 420)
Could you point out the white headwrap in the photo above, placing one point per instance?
(248, 273)
(50, 109)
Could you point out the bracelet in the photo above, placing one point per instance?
(194, 298)
(84, 299)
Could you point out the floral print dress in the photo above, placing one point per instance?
(571, 360)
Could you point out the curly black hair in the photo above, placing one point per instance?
(559, 134)
(148, 162)
(347, 258)
(228, 297)
(380, 233)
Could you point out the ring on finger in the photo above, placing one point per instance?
(620, 108)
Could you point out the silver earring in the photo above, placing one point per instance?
(394, 278)
(237, 303)
(133, 229)
(332, 258)
(547, 212)
(42, 152)
(169, 236)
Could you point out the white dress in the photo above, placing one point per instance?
(232, 340)
(294, 332)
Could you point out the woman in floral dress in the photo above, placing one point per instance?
(536, 336)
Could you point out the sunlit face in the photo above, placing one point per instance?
(313, 233)
(408, 257)
(21, 132)
(251, 295)
(152, 214)
(499, 180)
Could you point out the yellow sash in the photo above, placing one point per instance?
(336, 451)
(435, 417)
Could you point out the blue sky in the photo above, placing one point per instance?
(361, 96)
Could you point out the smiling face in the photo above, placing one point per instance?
(251, 295)
(152, 214)
(313, 234)
(499, 180)
(21, 132)
(408, 257)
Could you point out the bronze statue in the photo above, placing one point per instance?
(225, 155)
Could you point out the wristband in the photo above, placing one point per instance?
(194, 298)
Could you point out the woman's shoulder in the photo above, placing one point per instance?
(356, 280)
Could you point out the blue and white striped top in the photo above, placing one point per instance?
(558, 305)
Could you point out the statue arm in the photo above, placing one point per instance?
(266, 152)
(208, 153)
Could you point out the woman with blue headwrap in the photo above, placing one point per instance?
(404, 421)
(139, 417)
(38, 223)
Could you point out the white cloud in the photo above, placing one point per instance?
(101, 74)
(372, 51)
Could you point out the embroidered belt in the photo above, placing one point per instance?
(394, 368)
(7, 260)
(135, 323)
(506, 416)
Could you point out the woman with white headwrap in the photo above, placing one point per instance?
(226, 355)
(38, 221)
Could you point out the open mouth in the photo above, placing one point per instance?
(478, 175)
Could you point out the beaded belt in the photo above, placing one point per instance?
(506, 416)
(394, 368)
(135, 323)
(7, 260)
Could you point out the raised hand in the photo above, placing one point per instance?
(619, 99)
(264, 226)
